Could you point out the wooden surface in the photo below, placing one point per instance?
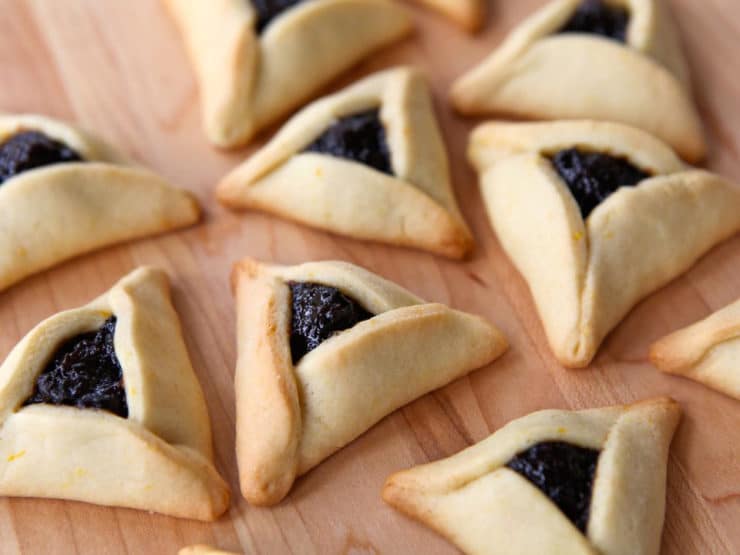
(118, 67)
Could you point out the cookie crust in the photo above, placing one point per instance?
(415, 207)
(707, 351)
(484, 508)
(249, 81)
(585, 276)
(290, 418)
(536, 74)
(158, 459)
(53, 213)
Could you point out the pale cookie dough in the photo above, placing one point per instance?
(585, 276)
(55, 212)
(159, 458)
(708, 351)
(413, 207)
(540, 74)
(485, 508)
(248, 80)
(290, 417)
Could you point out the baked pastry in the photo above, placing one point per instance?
(64, 193)
(469, 14)
(613, 60)
(588, 255)
(368, 162)
(553, 482)
(325, 351)
(708, 351)
(256, 60)
(203, 550)
(101, 404)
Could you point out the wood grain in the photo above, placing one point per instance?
(119, 68)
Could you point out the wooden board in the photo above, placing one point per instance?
(118, 67)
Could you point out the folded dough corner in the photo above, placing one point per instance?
(254, 67)
(368, 162)
(325, 351)
(562, 482)
(596, 216)
(101, 404)
(64, 193)
(617, 61)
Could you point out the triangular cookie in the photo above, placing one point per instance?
(64, 193)
(304, 390)
(588, 255)
(708, 351)
(101, 404)
(469, 14)
(368, 162)
(607, 60)
(257, 60)
(553, 482)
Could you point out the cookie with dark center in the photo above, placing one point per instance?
(319, 312)
(85, 373)
(359, 137)
(267, 10)
(562, 471)
(28, 150)
(599, 18)
(592, 177)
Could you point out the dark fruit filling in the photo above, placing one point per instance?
(563, 472)
(318, 313)
(267, 10)
(592, 177)
(599, 18)
(84, 373)
(30, 149)
(360, 137)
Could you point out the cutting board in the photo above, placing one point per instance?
(119, 68)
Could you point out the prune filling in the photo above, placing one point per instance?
(563, 472)
(31, 149)
(84, 373)
(359, 137)
(599, 18)
(319, 312)
(592, 177)
(267, 10)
